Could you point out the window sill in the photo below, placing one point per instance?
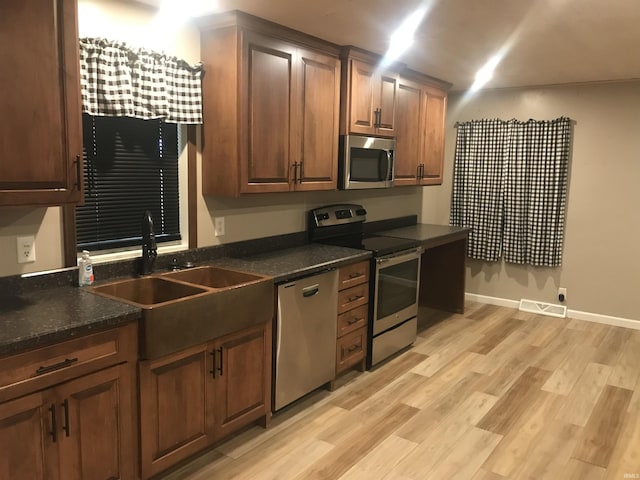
(114, 256)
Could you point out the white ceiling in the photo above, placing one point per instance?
(545, 42)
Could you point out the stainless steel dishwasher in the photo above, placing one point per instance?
(305, 336)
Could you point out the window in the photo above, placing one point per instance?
(510, 186)
(131, 166)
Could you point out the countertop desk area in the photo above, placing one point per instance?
(442, 271)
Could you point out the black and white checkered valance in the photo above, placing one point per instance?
(510, 187)
(117, 80)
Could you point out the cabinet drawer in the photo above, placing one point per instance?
(351, 349)
(352, 275)
(352, 320)
(353, 297)
(36, 369)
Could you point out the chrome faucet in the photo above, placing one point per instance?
(149, 251)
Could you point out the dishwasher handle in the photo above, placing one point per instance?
(311, 290)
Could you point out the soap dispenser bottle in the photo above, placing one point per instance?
(85, 270)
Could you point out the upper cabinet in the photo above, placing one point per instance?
(40, 135)
(420, 119)
(369, 95)
(271, 108)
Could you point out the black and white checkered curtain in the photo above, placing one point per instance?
(535, 191)
(117, 80)
(510, 187)
(477, 185)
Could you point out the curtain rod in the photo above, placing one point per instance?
(457, 124)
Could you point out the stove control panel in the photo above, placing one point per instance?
(342, 214)
(337, 215)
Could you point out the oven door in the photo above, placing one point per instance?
(396, 289)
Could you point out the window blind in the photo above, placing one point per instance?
(130, 165)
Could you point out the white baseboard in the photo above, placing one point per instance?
(501, 302)
(606, 319)
(575, 314)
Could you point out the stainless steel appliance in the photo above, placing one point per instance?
(395, 286)
(366, 162)
(305, 336)
(395, 303)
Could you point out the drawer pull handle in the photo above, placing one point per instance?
(65, 406)
(353, 348)
(54, 427)
(354, 320)
(355, 275)
(355, 297)
(56, 366)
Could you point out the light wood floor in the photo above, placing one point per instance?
(491, 394)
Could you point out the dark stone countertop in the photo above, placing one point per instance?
(283, 265)
(430, 235)
(42, 316)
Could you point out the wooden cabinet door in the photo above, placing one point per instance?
(316, 128)
(372, 98)
(40, 135)
(433, 149)
(243, 383)
(408, 134)
(176, 407)
(387, 100)
(268, 95)
(97, 427)
(362, 98)
(27, 442)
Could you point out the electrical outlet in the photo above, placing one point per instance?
(562, 294)
(219, 226)
(26, 249)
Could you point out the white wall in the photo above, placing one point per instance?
(601, 266)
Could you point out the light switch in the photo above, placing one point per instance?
(219, 226)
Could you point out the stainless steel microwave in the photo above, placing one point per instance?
(366, 162)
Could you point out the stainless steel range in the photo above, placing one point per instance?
(395, 286)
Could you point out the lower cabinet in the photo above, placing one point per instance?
(79, 429)
(243, 381)
(192, 398)
(353, 314)
(97, 436)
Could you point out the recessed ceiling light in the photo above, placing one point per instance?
(402, 38)
(486, 72)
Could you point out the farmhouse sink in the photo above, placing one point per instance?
(147, 291)
(214, 277)
(190, 307)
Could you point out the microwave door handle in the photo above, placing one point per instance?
(381, 171)
(389, 166)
